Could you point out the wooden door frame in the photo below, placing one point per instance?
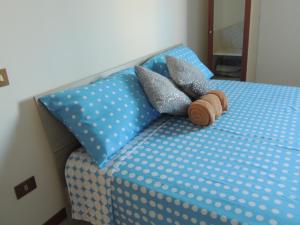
(210, 33)
(247, 17)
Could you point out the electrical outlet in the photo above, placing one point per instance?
(3, 78)
(25, 187)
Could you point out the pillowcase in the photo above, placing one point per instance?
(189, 78)
(162, 93)
(104, 115)
(158, 62)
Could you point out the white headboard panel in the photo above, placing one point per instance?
(61, 141)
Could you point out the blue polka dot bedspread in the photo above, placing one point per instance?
(244, 169)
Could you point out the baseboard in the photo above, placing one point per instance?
(57, 218)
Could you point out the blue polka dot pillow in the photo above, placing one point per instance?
(104, 115)
(158, 62)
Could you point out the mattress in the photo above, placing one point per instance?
(244, 169)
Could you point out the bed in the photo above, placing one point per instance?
(244, 169)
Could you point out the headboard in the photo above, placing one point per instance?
(61, 141)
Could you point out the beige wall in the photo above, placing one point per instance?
(279, 48)
(44, 44)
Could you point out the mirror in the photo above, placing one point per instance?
(227, 34)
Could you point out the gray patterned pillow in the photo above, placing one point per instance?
(162, 93)
(189, 78)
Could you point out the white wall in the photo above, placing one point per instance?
(44, 44)
(279, 47)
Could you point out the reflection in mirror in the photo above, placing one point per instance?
(228, 37)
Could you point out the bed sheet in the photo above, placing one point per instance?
(264, 111)
(244, 169)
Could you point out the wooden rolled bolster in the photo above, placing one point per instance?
(201, 113)
(215, 102)
(222, 97)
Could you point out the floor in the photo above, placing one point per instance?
(69, 221)
(64, 223)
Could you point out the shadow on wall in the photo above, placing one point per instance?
(23, 152)
(197, 25)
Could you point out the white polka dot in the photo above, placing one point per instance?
(259, 218)
(273, 222)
